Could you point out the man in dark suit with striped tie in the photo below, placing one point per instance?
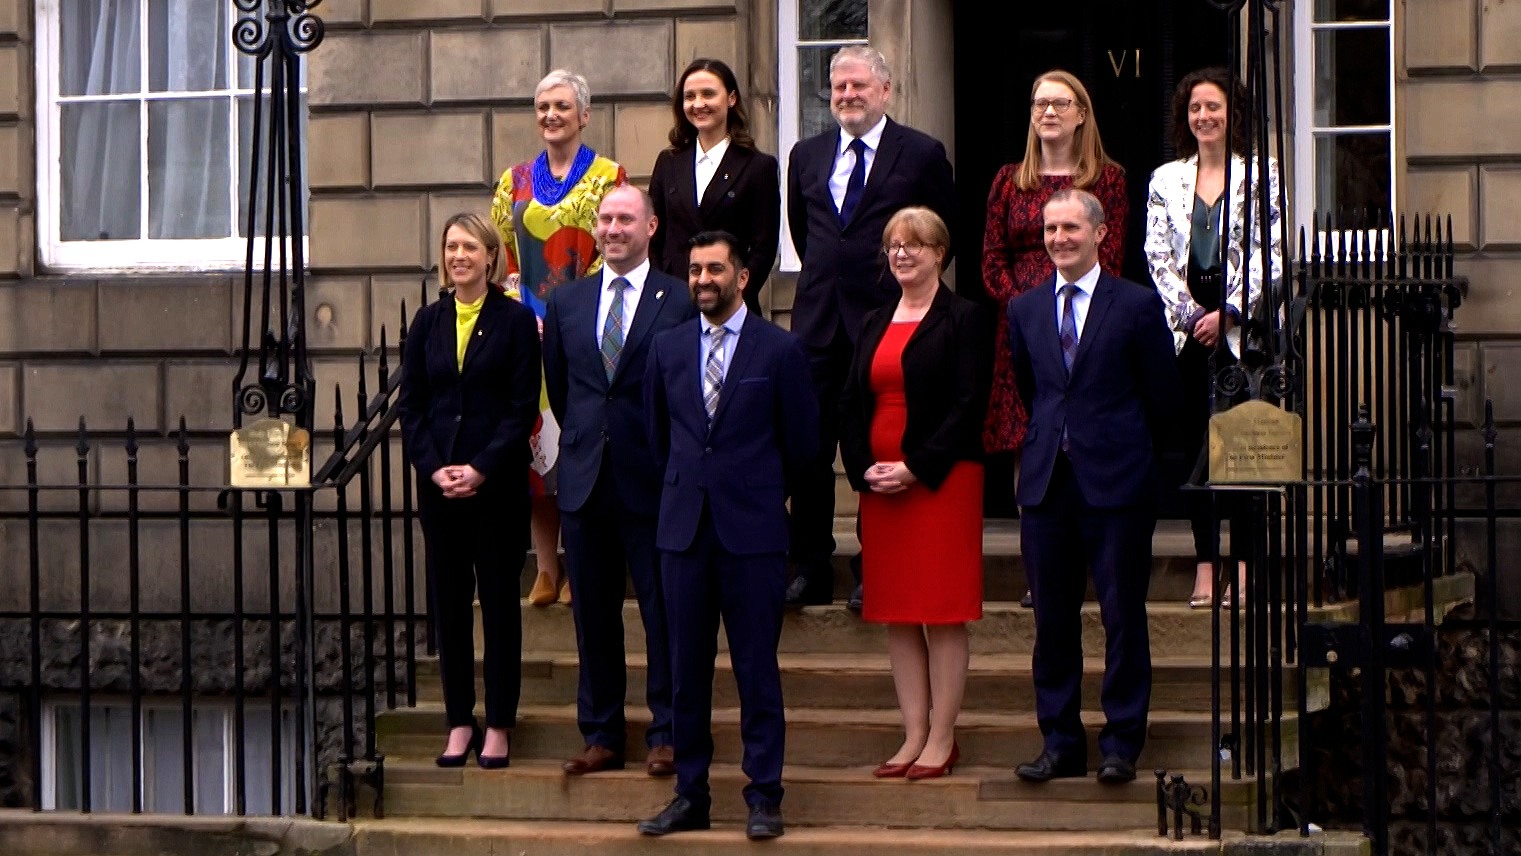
(597, 334)
(731, 419)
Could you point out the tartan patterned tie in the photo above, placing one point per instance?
(713, 371)
(1069, 326)
(612, 328)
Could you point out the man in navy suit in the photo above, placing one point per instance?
(731, 419)
(597, 333)
(842, 186)
(1093, 363)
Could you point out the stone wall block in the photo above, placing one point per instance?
(201, 391)
(56, 395)
(1492, 306)
(14, 61)
(1468, 409)
(10, 400)
(442, 206)
(618, 58)
(13, 18)
(1439, 34)
(716, 39)
(671, 5)
(57, 464)
(150, 315)
(345, 373)
(1502, 365)
(1500, 207)
(341, 12)
(1470, 453)
(485, 64)
(12, 153)
(1445, 103)
(338, 150)
(540, 8)
(515, 136)
(388, 294)
(12, 243)
(158, 464)
(367, 233)
(640, 135)
(369, 68)
(1448, 190)
(1500, 36)
(337, 313)
(51, 316)
(430, 149)
(393, 11)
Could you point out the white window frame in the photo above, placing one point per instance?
(790, 107)
(126, 255)
(1307, 132)
(228, 740)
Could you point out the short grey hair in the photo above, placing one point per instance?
(1093, 209)
(563, 77)
(865, 54)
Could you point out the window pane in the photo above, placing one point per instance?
(1352, 172)
(98, 47)
(822, 20)
(1352, 77)
(110, 758)
(188, 43)
(1351, 10)
(99, 172)
(189, 170)
(245, 143)
(813, 91)
(257, 746)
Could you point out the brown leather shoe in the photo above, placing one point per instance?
(661, 761)
(593, 759)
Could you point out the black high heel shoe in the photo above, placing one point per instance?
(493, 762)
(477, 739)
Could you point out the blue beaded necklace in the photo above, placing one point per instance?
(546, 188)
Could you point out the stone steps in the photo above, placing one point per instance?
(823, 736)
(974, 798)
(994, 681)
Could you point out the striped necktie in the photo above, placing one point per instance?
(1069, 338)
(713, 371)
(612, 328)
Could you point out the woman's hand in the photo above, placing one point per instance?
(1208, 328)
(889, 477)
(458, 482)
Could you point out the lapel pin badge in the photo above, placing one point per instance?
(659, 295)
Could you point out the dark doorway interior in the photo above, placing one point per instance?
(1129, 54)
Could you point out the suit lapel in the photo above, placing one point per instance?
(484, 324)
(888, 149)
(686, 177)
(733, 165)
(1046, 326)
(738, 365)
(1098, 310)
(651, 298)
(444, 338)
(933, 317)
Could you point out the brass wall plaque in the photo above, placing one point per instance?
(1255, 443)
(271, 453)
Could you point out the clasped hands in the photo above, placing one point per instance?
(458, 481)
(1208, 328)
(889, 477)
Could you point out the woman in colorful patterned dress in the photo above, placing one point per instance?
(546, 212)
(1062, 150)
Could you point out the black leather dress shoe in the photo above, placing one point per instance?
(1052, 766)
(680, 815)
(1116, 770)
(799, 593)
(765, 822)
(1028, 601)
(857, 601)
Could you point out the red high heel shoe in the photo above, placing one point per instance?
(889, 770)
(924, 771)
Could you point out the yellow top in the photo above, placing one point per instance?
(464, 322)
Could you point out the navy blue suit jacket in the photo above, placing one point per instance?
(1118, 404)
(844, 273)
(602, 421)
(480, 415)
(766, 427)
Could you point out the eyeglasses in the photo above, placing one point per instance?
(912, 248)
(1060, 105)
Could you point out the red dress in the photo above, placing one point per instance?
(1014, 260)
(921, 550)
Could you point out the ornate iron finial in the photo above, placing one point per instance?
(261, 22)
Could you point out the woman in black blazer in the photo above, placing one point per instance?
(469, 399)
(911, 439)
(742, 194)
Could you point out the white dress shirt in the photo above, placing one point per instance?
(707, 164)
(635, 279)
(1085, 286)
(845, 160)
(735, 323)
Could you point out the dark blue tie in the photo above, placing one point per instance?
(856, 184)
(1068, 332)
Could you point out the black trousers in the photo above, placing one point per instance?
(1206, 508)
(812, 521)
(475, 549)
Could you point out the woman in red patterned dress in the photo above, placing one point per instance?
(1062, 150)
(910, 436)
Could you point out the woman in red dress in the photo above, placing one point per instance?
(1062, 150)
(911, 439)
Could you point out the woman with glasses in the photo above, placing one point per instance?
(911, 439)
(1191, 256)
(1062, 149)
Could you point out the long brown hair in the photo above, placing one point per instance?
(684, 133)
(1091, 159)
